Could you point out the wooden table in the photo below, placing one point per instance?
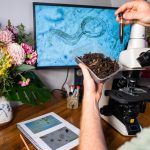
(9, 134)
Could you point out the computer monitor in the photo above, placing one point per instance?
(63, 32)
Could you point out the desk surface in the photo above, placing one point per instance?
(9, 134)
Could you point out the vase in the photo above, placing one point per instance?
(5, 111)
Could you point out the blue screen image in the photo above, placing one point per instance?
(64, 32)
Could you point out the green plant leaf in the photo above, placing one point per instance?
(35, 93)
(24, 67)
(23, 37)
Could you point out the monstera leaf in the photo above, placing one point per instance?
(24, 67)
(35, 93)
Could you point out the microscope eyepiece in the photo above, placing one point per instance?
(144, 59)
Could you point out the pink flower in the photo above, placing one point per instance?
(17, 53)
(25, 82)
(31, 58)
(31, 55)
(27, 48)
(6, 36)
(13, 30)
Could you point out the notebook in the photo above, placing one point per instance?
(50, 132)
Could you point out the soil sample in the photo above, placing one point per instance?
(102, 66)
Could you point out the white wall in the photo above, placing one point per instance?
(20, 11)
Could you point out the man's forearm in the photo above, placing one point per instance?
(91, 136)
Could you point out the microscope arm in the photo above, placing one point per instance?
(136, 46)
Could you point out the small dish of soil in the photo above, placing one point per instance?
(100, 67)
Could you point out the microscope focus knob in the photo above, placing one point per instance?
(105, 110)
(131, 85)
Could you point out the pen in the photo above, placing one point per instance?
(23, 140)
(121, 28)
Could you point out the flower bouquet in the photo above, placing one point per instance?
(17, 58)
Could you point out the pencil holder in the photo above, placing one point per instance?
(72, 102)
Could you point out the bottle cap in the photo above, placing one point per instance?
(78, 87)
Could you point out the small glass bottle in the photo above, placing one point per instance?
(72, 102)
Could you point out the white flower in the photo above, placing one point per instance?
(17, 53)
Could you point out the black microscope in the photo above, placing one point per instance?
(127, 100)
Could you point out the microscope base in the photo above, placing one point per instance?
(118, 125)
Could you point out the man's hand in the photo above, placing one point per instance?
(136, 10)
(91, 135)
(91, 89)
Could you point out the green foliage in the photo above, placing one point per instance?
(35, 93)
(5, 82)
(24, 37)
(24, 67)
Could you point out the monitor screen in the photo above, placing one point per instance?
(63, 32)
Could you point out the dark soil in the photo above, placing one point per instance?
(102, 66)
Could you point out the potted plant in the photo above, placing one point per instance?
(17, 80)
